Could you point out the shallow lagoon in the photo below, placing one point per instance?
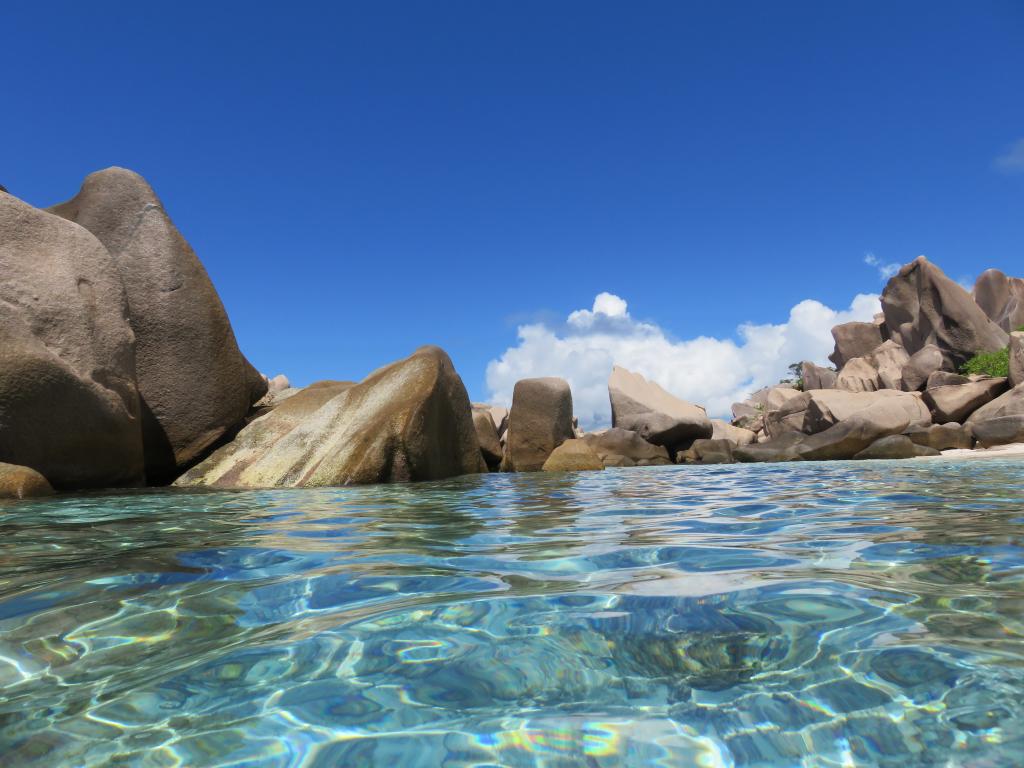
(806, 614)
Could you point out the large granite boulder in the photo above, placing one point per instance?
(895, 447)
(540, 421)
(942, 437)
(782, 448)
(1016, 358)
(858, 375)
(881, 368)
(1000, 421)
(69, 406)
(707, 452)
(410, 420)
(723, 430)
(773, 398)
(194, 383)
(816, 377)
(923, 306)
(830, 407)
(854, 339)
(641, 406)
(487, 434)
(17, 482)
(955, 402)
(1001, 298)
(922, 364)
(574, 455)
(850, 436)
(623, 448)
(790, 417)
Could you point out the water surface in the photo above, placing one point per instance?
(808, 614)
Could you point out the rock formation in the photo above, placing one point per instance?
(643, 407)
(574, 455)
(624, 448)
(540, 421)
(194, 383)
(17, 482)
(923, 306)
(410, 420)
(854, 340)
(1001, 298)
(69, 406)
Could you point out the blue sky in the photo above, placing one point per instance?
(360, 179)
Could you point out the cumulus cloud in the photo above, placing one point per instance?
(1012, 160)
(709, 371)
(885, 271)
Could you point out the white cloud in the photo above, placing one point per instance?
(1012, 160)
(885, 271)
(711, 372)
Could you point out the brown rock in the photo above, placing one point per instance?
(920, 366)
(895, 447)
(722, 430)
(1001, 298)
(69, 406)
(858, 375)
(854, 340)
(623, 448)
(1000, 421)
(573, 455)
(923, 306)
(410, 420)
(643, 407)
(830, 407)
(945, 378)
(956, 402)
(849, 437)
(487, 434)
(707, 452)
(816, 377)
(783, 448)
(540, 421)
(17, 482)
(195, 385)
(790, 417)
(1016, 358)
(942, 437)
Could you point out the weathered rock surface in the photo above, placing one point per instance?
(487, 434)
(945, 378)
(858, 375)
(1016, 358)
(540, 421)
(574, 455)
(895, 447)
(850, 436)
(624, 448)
(773, 398)
(816, 377)
(1001, 298)
(1000, 421)
(783, 448)
(923, 306)
(854, 339)
(956, 402)
(707, 452)
(643, 407)
(17, 482)
(410, 420)
(498, 414)
(829, 407)
(194, 383)
(723, 430)
(790, 417)
(278, 384)
(69, 406)
(942, 437)
(920, 366)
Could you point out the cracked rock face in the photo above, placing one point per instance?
(194, 383)
(69, 406)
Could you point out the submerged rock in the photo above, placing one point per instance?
(573, 455)
(641, 406)
(194, 383)
(410, 420)
(17, 482)
(69, 405)
(539, 422)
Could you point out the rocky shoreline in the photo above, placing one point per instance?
(119, 368)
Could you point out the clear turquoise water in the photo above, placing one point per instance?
(808, 614)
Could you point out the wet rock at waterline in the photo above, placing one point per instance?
(540, 420)
(195, 385)
(624, 448)
(574, 455)
(17, 482)
(942, 437)
(69, 405)
(707, 452)
(410, 420)
(895, 447)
